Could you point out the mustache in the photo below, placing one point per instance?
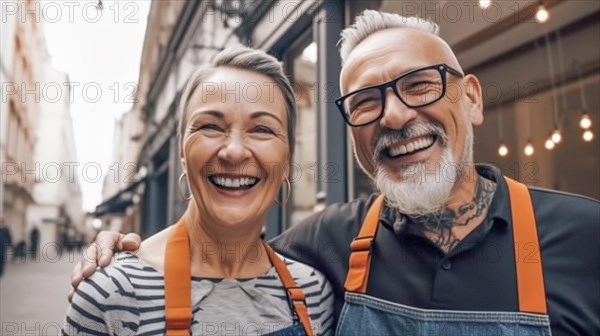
(388, 136)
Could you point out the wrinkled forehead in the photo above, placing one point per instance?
(390, 53)
(238, 85)
(231, 87)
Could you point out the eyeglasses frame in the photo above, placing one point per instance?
(443, 69)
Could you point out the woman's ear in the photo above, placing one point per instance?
(183, 165)
(286, 172)
(474, 99)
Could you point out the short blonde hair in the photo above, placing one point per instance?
(371, 21)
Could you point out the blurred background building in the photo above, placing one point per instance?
(36, 137)
(539, 63)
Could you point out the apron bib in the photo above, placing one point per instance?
(366, 315)
(178, 282)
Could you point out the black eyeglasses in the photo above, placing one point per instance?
(417, 88)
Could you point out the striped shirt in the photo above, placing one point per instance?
(127, 298)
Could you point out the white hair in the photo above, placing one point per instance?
(424, 189)
(371, 21)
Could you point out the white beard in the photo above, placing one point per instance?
(424, 189)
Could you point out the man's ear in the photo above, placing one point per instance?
(474, 99)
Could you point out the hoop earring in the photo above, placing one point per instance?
(181, 197)
(289, 192)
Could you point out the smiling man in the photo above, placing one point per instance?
(449, 246)
(446, 246)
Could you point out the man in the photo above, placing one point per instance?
(454, 248)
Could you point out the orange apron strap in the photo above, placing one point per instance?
(528, 260)
(359, 264)
(295, 294)
(178, 282)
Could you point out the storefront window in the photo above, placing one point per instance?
(301, 62)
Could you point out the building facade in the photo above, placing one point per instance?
(23, 55)
(536, 77)
(57, 208)
(40, 187)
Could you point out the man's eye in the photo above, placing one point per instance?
(365, 104)
(420, 86)
(263, 129)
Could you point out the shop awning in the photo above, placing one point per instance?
(118, 203)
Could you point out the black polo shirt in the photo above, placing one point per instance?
(479, 274)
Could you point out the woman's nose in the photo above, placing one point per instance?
(395, 113)
(234, 150)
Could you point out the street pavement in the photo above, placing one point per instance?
(33, 294)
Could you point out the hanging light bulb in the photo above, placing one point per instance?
(556, 136)
(549, 144)
(542, 15)
(588, 136)
(503, 150)
(585, 122)
(528, 149)
(484, 3)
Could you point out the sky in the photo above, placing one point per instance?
(100, 51)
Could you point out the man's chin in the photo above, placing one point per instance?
(413, 194)
(407, 173)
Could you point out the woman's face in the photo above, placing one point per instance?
(235, 146)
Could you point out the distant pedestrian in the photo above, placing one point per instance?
(34, 239)
(5, 243)
(19, 251)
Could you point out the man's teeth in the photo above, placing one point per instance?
(412, 146)
(234, 182)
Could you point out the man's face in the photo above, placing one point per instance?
(407, 144)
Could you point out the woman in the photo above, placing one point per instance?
(237, 119)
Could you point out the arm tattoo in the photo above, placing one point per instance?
(438, 227)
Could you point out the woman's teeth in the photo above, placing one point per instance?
(412, 146)
(227, 182)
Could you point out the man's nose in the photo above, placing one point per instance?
(234, 150)
(396, 114)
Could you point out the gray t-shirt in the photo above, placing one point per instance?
(127, 298)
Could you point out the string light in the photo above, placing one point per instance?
(542, 15)
(585, 122)
(556, 136)
(529, 148)
(588, 136)
(549, 144)
(503, 150)
(484, 3)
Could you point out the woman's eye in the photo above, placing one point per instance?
(209, 127)
(263, 129)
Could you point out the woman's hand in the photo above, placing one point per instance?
(100, 252)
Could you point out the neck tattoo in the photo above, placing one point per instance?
(438, 227)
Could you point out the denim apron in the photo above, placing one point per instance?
(366, 315)
(178, 282)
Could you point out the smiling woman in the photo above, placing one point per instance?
(211, 272)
